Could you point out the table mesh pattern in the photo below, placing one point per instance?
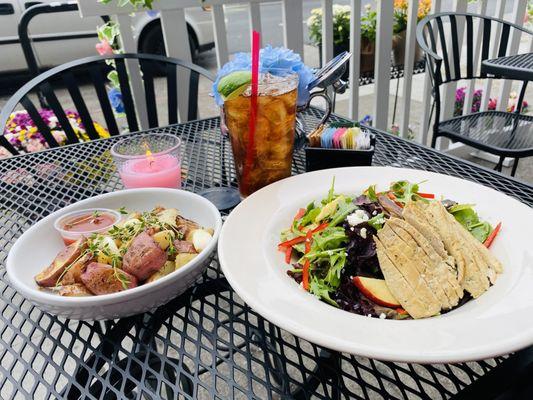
(206, 343)
(522, 61)
(495, 129)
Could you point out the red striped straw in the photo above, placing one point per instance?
(253, 110)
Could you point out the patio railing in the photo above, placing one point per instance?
(174, 30)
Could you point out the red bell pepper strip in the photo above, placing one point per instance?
(492, 235)
(288, 254)
(320, 227)
(401, 311)
(301, 239)
(426, 195)
(305, 275)
(291, 242)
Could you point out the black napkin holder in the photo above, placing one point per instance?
(317, 158)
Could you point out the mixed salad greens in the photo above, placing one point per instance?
(331, 242)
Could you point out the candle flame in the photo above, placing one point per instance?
(148, 153)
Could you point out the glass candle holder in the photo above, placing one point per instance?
(148, 160)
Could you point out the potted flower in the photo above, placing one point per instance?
(24, 135)
(341, 33)
(400, 29)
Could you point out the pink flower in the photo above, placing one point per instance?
(492, 104)
(33, 145)
(104, 48)
(59, 136)
(4, 153)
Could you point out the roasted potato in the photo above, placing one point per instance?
(200, 238)
(167, 268)
(102, 279)
(49, 276)
(164, 238)
(74, 290)
(144, 257)
(168, 216)
(73, 274)
(184, 258)
(107, 249)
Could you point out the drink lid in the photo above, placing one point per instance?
(330, 72)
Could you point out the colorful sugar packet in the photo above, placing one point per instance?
(347, 136)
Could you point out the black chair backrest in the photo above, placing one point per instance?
(92, 71)
(26, 41)
(438, 36)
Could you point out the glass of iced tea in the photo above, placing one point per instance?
(269, 157)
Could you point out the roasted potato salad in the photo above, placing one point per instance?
(139, 249)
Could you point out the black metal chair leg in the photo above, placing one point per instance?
(434, 140)
(515, 166)
(499, 166)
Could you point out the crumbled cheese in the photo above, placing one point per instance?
(357, 217)
(374, 213)
(382, 316)
(352, 229)
(363, 233)
(369, 315)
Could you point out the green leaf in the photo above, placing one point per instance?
(405, 191)
(112, 76)
(333, 276)
(308, 217)
(342, 212)
(371, 193)
(459, 207)
(320, 289)
(329, 238)
(466, 217)
(329, 199)
(481, 231)
(377, 221)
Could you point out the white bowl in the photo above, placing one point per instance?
(38, 246)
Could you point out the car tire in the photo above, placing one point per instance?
(152, 41)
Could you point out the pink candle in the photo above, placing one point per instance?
(151, 171)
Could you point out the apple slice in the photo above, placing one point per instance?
(376, 290)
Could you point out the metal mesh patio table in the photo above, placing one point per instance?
(206, 343)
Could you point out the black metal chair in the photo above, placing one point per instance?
(92, 71)
(26, 40)
(501, 133)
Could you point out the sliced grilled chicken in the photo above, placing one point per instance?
(405, 283)
(439, 272)
(475, 264)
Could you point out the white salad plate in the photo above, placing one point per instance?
(38, 246)
(498, 322)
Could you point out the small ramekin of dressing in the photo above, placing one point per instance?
(75, 224)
